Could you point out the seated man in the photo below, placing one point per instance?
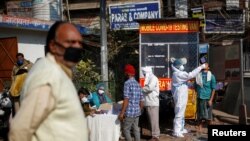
(100, 97)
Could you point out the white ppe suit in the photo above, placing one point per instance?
(180, 95)
(151, 90)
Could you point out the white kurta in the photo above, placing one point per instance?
(151, 90)
(50, 109)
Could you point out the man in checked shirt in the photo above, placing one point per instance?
(132, 105)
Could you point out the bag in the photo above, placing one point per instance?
(17, 85)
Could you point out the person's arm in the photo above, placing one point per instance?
(124, 107)
(210, 102)
(12, 74)
(174, 68)
(125, 101)
(213, 87)
(35, 107)
(151, 86)
(194, 73)
(95, 100)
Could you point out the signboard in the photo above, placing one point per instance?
(19, 8)
(164, 83)
(181, 9)
(170, 27)
(203, 48)
(29, 23)
(225, 22)
(232, 4)
(198, 12)
(124, 16)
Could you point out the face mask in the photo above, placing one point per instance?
(84, 100)
(181, 68)
(73, 54)
(101, 91)
(19, 62)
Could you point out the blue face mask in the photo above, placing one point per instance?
(19, 62)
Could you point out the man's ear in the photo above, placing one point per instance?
(52, 47)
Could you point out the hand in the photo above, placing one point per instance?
(121, 116)
(210, 102)
(92, 113)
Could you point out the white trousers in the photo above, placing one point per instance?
(153, 114)
(180, 99)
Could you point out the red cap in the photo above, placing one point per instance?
(129, 69)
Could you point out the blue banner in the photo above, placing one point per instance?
(124, 16)
(32, 24)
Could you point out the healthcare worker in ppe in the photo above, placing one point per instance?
(151, 92)
(180, 92)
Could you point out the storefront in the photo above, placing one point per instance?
(24, 35)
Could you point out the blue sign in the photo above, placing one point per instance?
(124, 16)
(33, 24)
(203, 48)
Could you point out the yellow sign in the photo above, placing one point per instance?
(169, 27)
(191, 108)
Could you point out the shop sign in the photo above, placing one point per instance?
(169, 27)
(124, 16)
(164, 83)
(198, 12)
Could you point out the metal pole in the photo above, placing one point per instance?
(104, 60)
(169, 6)
(67, 6)
(242, 110)
(61, 9)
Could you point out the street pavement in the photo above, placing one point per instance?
(193, 135)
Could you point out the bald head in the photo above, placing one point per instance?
(69, 32)
(57, 29)
(64, 41)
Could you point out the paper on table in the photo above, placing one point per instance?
(105, 106)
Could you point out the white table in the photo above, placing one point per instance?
(104, 127)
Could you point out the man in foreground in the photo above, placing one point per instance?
(50, 109)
